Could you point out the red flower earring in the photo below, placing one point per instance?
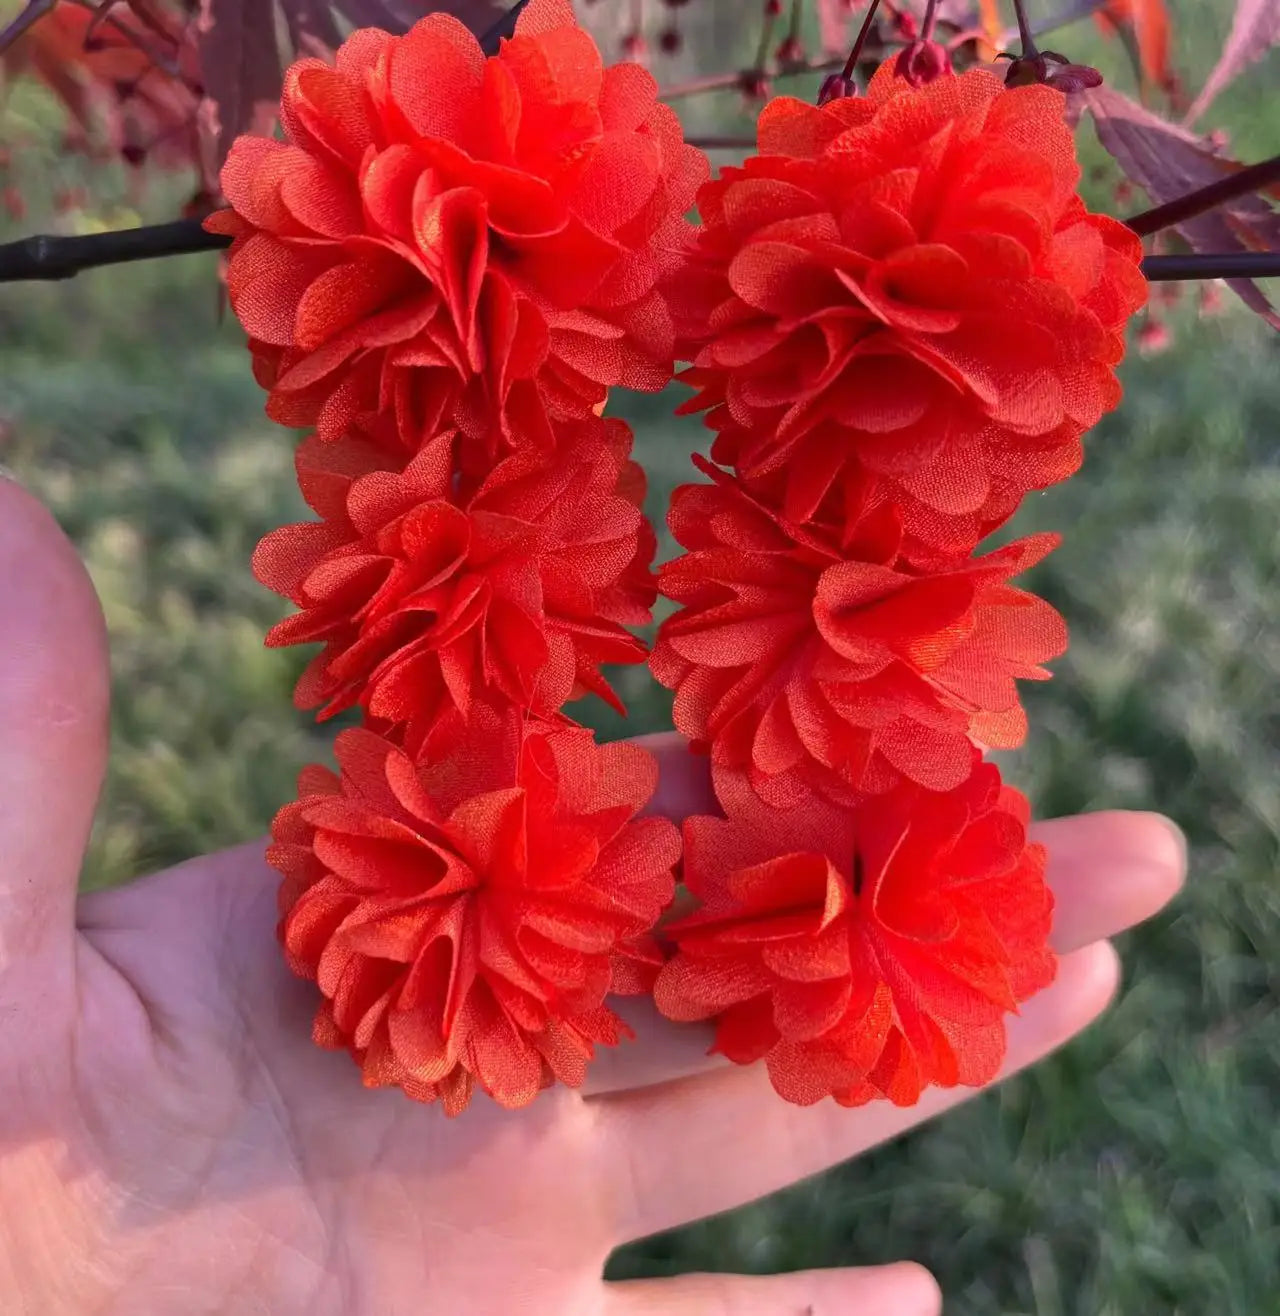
(901, 319)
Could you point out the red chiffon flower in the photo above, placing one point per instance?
(423, 602)
(456, 239)
(465, 920)
(907, 284)
(803, 655)
(862, 953)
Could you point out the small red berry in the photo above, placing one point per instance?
(670, 41)
(923, 62)
(754, 84)
(773, 8)
(1154, 337)
(790, 52)
(14, 202)
(1210, 299)
(835, 87)
(1053, 70)
(634, 47)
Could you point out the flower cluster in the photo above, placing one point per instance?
(466, 919)
(901, 320)
(906, 287)
(865, 951)
(442, 270)
(461, 242)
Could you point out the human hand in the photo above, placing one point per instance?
(172, 1142)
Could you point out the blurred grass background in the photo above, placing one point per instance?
(1139, 1171)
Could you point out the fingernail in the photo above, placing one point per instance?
(1179, 837)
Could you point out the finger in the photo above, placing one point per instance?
(692, 1148)
(54, 685)
(1109, 871)
(684, 778)
(660, 1051)
(902, 1290)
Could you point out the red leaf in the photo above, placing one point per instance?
(1255, 30)
(1168, 161)
(1145, 24)
(240, 65)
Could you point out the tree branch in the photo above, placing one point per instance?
(51, 257)
(743, 143)
(1213, 265)
(47, 256)
(35, 10)
(1182, 208)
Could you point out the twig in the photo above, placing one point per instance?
(47, 256)
(103, 17)
(1213, 265)
(722, 143)
(1182, 208)
(36, 9)
(50, 257)
(727, 81)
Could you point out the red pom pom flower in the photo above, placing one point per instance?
(862, 953)
(907, 285)
(465, 920)
(459, 240)
(815, 657)
(424, 601)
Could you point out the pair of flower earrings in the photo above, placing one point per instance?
(901, 318)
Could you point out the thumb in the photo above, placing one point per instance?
(904, 1289)
(54, 694)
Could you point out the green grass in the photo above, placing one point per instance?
(1140, 1170)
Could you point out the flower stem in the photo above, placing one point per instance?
(855, 54)
(930, 18)
(1182, 208)
(1025, 36)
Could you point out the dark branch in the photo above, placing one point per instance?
(504, 27)
(1213, 265)
(36, 9)
(1182, 208)
(46, 256)
(722, 143)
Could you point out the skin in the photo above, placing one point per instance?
(172, 1142)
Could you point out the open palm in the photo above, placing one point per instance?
(172, 1142)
